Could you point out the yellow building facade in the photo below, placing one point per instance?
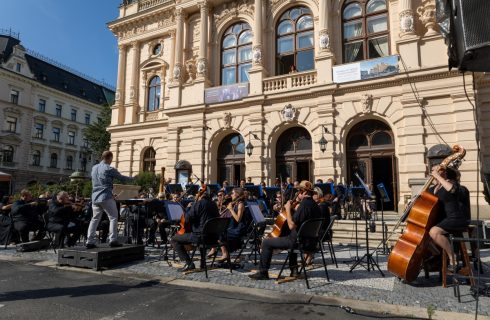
(231, 89)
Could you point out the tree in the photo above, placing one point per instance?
(96, 133)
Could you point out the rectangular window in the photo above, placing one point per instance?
(87, 118)
(39, 130)
(11, 124)
(14, 96)
(71, 137)
(36, 158)
(69, 163)
(73, 115)
(85, 143)
(18, 67)
(41, 107)
(59, 108)
(56, 134)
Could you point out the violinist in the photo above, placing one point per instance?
(200, 212)
(306, 210)
(454, 209)
(239, 221)
(62, 220)
(26, 218)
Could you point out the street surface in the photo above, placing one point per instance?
(34, 292)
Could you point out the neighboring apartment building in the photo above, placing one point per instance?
(273, 88)
(44, 108)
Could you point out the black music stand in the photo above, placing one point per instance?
(384, 197)
(174, 212)
(327, 188)
(357, 194)
(368, 256)
(258, 227)
(255, 191)
(212, 189)
(174, 188)
(191, 189)
(229, 189)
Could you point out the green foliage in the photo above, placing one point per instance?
(96, 133)
(431, 310)
(148, 180)
(79, 188)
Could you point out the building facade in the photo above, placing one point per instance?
(232, 89)
(43, 110)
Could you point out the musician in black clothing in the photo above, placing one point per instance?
(160, 220)
(63, 220)
(200, 212)
(26, 217)
(306, 210)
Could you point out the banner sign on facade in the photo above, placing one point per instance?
(226, 93)
(366, 69)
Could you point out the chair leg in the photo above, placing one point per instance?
(324, 263)
(229, 259)
(284, 264)
(202, 251)
(332, 253)
(303, 263)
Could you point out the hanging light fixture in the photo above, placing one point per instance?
(323, 142)
(249, 147)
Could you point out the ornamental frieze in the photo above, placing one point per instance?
(148, 23)
(233, 9)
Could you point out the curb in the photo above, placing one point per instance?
(347, 304)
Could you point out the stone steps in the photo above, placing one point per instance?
(344, 232)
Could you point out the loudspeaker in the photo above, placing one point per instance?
(470, 28)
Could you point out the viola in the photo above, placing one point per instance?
(185, 226)
(407, 256)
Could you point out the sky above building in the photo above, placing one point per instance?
(71, 32)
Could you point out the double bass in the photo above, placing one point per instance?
(185, 226)
(406, 258)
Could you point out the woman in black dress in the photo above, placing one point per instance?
(454, 209)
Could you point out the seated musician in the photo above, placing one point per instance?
(306, 210)
(159, 219)
(138, 216)
(26, 217)
(62, 220)
(325, 214)
(454, 209)
(6, 225)
(239, 221)
(276, 208)
(201, 211)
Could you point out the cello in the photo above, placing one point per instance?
(406, 257)
(185, 226)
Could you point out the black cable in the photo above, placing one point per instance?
(425, 114)
(478, 156)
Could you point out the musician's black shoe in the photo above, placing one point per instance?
(115, 244)
(260, 275)
(188, 267)
(453, 269)
(294, 273)
(90, 246)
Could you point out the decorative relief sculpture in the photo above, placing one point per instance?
(288, 113)
(367, 103)
(201, 67)
(257, 55)
(190, 66)
(427, 15)
(324, 40)
(406, 21)
(227, 119)
(233, 8)
(177, 71)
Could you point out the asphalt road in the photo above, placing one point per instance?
(34, 292)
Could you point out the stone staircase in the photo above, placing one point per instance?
(344, 231)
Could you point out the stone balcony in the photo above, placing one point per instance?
(289, 82)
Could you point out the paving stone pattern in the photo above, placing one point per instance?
(358, 284)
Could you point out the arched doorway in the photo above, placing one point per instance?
(231, 159)
(371, 154)
(293, 154)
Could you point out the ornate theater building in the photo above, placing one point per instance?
(311, 89)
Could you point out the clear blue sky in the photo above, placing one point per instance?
(72, 32)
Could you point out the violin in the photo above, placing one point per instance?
(185, 225)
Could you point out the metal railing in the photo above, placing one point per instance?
(10, 33)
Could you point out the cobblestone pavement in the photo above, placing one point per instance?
(358, 284)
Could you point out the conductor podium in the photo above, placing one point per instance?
(101, 257)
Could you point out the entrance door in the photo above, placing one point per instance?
(231, 159)
(293, 154)
(371, 154)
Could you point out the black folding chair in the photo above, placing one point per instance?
(310, 230)
(7, 223)
(213, 235)
(327, 238)
(50, 234)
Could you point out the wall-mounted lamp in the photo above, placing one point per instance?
(323, 142)
(249, 147)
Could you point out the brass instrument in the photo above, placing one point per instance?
(162, 181)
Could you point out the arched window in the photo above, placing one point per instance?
(8, 154)
(149, 161)
(368, 135)
(53, 161)
(365, 30)
(231, 146)
(295, 43)
(69, 162)
(236, 54)
(154, 94)
(36, 158)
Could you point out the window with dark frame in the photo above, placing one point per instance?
(59, 109)
(87, 118)
(8, 154)
(71, 137)
(154, 88)
(149, 160)
(36, 158)
(85, 143)
(18, 67)
(39, 130)
(295, 41)
(41, 107)
(236, 54)
(14, 96)
(365, 30)
(56, 134)
(11, 124)
(69, 162)
(157, 49)
(73, 114)
(53, 161)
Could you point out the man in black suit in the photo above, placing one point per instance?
(26, 217)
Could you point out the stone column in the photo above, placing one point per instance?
(406, 18)
(133, 90)
(121, 80)
(179, 42)
(324, 24)
(172, 52)
(324, 59)
(257, 39)
(202, 62)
